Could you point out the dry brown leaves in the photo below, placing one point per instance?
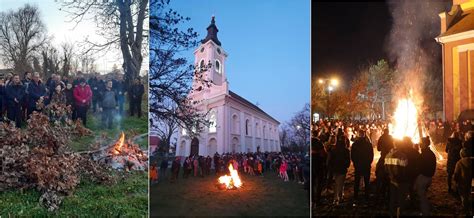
(36, 157)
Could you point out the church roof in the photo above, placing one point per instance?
(464, 23)
(250, 104)
(212, 33)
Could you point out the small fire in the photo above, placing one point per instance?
(119, 144)
(232, 181)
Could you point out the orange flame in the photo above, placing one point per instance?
(231, 181)
(119, 144)
(406, 124)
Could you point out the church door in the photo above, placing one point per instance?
(194, 147)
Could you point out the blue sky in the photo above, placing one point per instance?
(268, 43)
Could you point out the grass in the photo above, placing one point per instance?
(260, 196)
(128, 197)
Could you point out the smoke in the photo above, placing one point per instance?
(411, 44)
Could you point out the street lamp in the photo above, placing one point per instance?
(329, 85)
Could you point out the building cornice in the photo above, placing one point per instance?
(455, 37)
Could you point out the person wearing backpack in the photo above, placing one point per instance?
(108, 105)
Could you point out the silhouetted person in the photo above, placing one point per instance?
(362, 155)
(453, 147)
(427, 167)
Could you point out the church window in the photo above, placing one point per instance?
(183, 131)
(218, 66)
(201, 65)
(247, 127)
(212, 123)
(235, 124)
(219, 50)
(202, 49)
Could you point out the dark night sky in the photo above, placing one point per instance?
(346, 36)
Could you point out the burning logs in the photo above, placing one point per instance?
(230, 182)
(123, 155)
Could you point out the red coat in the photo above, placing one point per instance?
(81, 94)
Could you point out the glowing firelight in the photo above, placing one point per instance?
(231, 181)
(406, 124)
(119, 144)
(405, 121)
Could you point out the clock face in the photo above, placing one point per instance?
(219, 50)
(202, 49)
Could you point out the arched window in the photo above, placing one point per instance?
(257, 129)
(212, 122)
(183, 131)
(263, 135)
(201, 64)
(235, 124)
(247, 126)
(218, 66)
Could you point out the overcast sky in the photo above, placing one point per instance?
(62, 31)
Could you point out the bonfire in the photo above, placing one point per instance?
(123, 155)
(407, 123)
(230, 182)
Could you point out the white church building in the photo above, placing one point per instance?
(236, 125)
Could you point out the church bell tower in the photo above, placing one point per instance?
(211, 57)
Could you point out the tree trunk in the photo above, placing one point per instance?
(130, 44)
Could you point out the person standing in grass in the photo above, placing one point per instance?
(136, 94)
(153, 173)
(14, 94)
(175, 169)
(108, 105)
(338, 161)
(163, 167)
(82, 96)
(119, 87)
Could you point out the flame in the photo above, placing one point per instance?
(405, 121)
(406, 124)
(119, 144)
(231, 181)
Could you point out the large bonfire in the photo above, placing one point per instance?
(406, 122)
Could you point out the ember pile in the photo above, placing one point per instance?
(230, 182)
(123, 155)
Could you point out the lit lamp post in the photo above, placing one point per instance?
(329, 86)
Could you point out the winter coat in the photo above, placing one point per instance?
(453, 147)
(463, 175)
(136, 92)
(119, 87)
(396, 166)
(427, 162)
(82, 95)
(109, 99)
(339, 160)
(362, 155)
(35, 92)
(14, 91)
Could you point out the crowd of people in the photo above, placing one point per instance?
(21, 96)
(403, 171)
(288, 166)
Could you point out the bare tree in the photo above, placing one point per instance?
(300, 126)
(121, 23)
(22, 33)
(68, 53)
(170, 74)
